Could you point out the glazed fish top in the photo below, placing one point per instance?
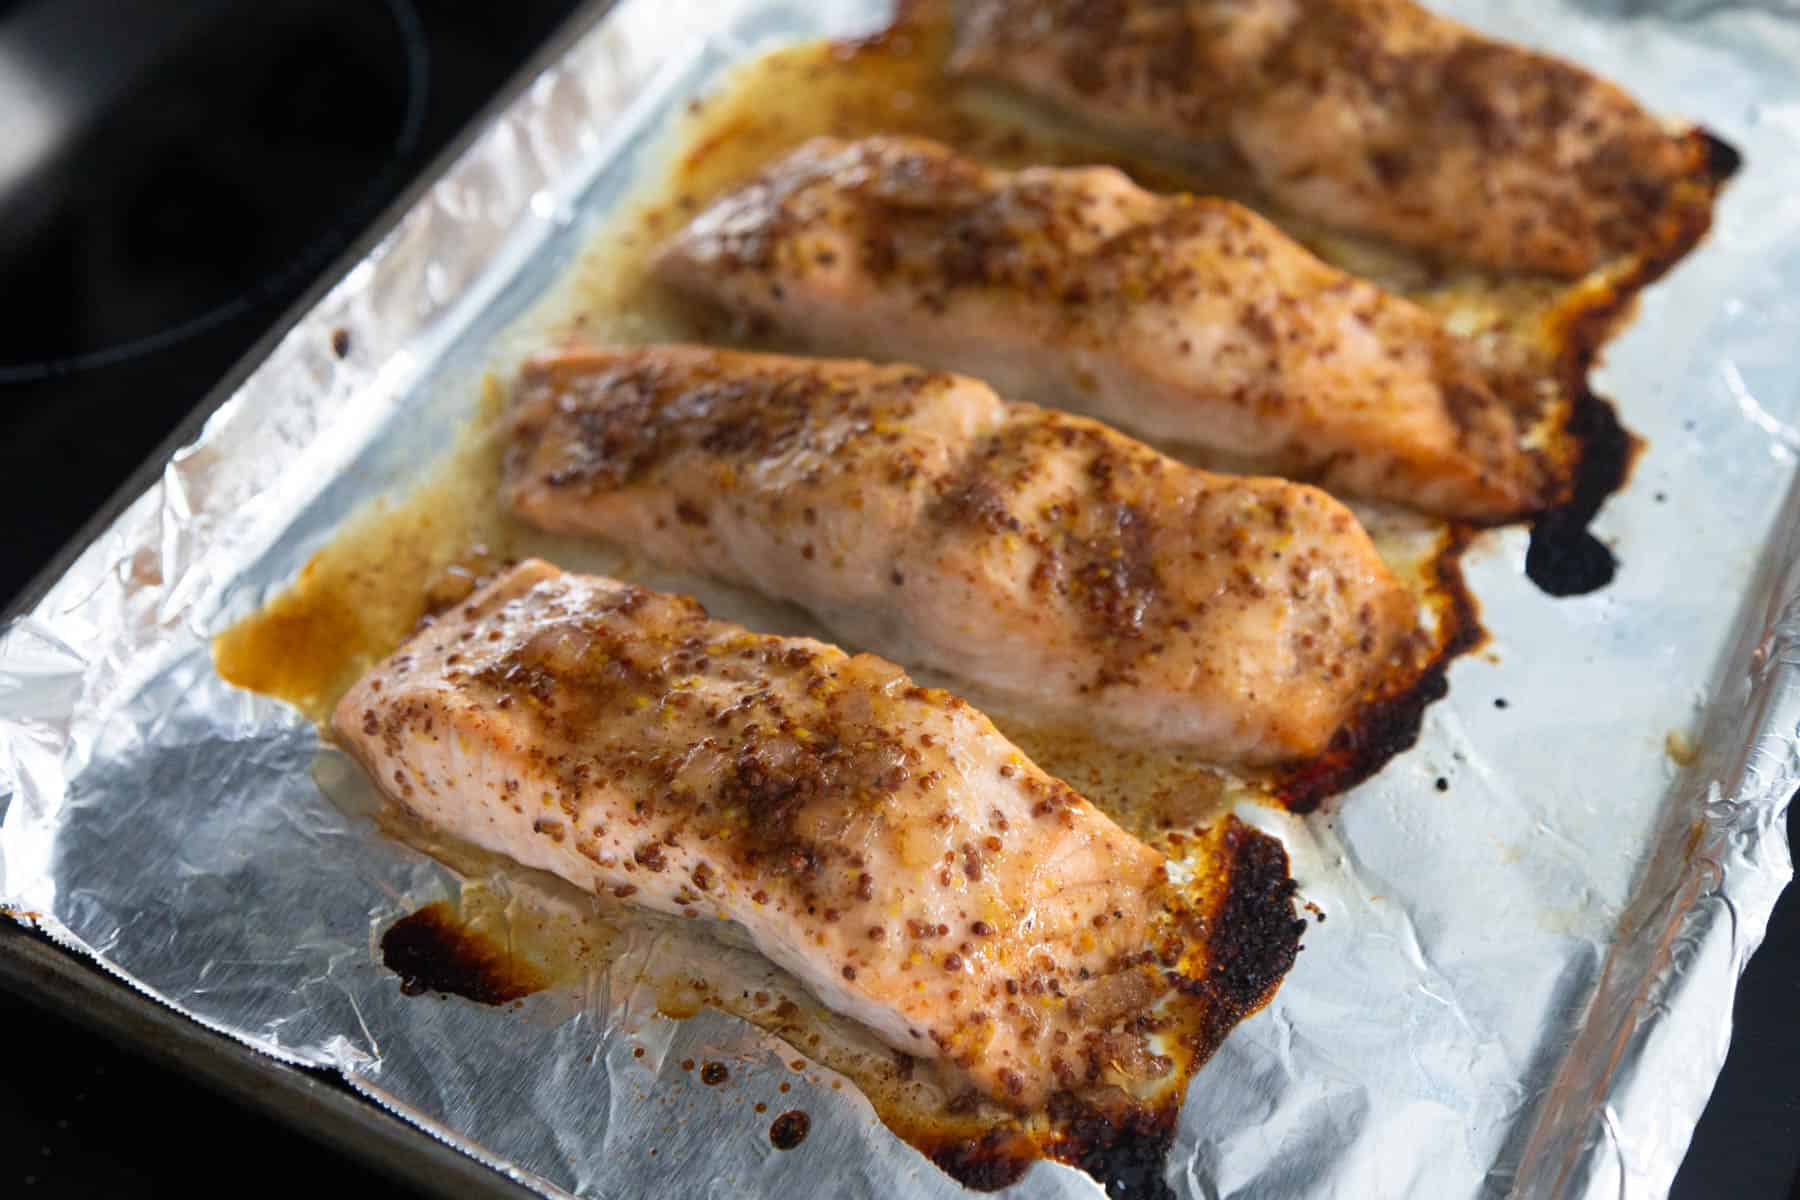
(1058, 567)
(1186, 319)
(1375, 116)
(880, 840)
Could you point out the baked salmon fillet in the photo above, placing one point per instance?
(1375, 116)
(1057, 567)
(879, 840)
(1180, 318)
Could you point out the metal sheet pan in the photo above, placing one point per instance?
(1527, 991)
(309, 1101)
(36, 968)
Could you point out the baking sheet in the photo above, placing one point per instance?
(1524, 982)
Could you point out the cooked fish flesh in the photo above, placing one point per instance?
(879, 840)
(1181, 318)
(1376, 116)
(1057, 566)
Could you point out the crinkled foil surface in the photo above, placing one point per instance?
(1524, 984)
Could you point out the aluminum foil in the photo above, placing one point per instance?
(1524, 985)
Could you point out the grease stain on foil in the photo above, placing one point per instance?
(431, 951)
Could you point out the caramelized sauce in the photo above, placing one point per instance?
(365, 593)
(388, 568)
(432, 951)
(293, 647)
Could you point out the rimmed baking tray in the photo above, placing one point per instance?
(1523, 988)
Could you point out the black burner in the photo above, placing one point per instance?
(173, 173)
(226, 174)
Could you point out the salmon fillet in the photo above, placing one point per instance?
(880, 841)
(1181, 318)
(1375, 116)
(1058, 567)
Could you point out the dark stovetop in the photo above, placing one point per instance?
(173, 174)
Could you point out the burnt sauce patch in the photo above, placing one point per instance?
(431, 951)
(1256, 934)
(987, 1163)
(1564, 558)
(1723, 160)
(1124, 1147)
(789, 1129)
(1127, 1153)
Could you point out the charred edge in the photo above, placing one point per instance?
(1690, 216)
(1255, 939)
(1125, 1153)
(1256, 933)
(1685, 221)
(1389, 723)
(1125, 1146)
(432, 952)
(1723, 160)
(1564, 558)
(988, 1163)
